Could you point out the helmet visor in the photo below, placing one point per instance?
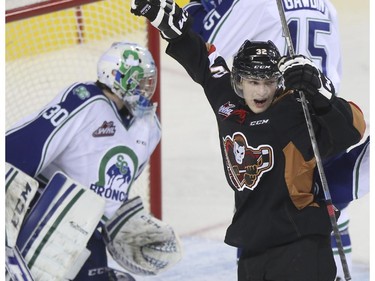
(147, 86)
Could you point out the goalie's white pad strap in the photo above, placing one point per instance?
(15, 266)
(139, 242)
(77, 265)
(20, 190)
(58, 228)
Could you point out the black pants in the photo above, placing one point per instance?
(308, 259)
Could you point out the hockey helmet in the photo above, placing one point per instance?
(129, 71)
(255, 59)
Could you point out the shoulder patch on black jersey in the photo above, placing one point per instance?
(226, 109)
(230, 111)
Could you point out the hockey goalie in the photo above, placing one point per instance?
(87, 146)
(48, 241)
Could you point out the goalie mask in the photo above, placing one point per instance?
(129, 71)
(255, 60)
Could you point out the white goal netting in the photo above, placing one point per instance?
(52, 44)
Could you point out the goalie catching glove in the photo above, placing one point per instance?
(165, 15)
(300, 73)
(139, 242)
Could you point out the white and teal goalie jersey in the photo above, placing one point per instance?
(81, 133)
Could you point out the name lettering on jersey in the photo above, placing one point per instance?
(107, 129)
(226, 109)
(259, 122)
(245, 164)
(81, 92)
(116, 173)
(317, 5)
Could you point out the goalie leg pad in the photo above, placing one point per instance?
(20, 190)
(43, 204)
(58, 228)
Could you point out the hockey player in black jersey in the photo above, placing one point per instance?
(280, 222)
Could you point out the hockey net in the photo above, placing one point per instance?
(52, 44)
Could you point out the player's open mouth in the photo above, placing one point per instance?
(260, 102)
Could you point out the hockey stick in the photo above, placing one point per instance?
(327, 195)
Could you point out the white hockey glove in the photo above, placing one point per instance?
(139, 242)
(165, 15)
(300, 73)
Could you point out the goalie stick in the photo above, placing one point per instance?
(327, 195)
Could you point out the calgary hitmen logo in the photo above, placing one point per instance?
(245, 164)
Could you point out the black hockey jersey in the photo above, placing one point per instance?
(268, 158)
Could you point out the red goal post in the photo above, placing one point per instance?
(52, 44)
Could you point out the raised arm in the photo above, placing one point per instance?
(174, 25)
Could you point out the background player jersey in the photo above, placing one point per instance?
(81, 133)
(313, 26)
